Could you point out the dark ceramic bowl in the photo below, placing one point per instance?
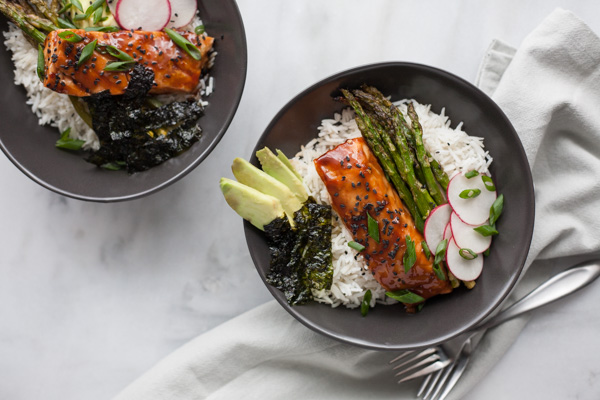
(443, 317)
(31, 147)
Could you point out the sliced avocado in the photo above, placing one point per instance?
(249, 175)
(256, 207)
(287, 163)
(278, 170)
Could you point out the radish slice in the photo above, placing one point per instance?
(112, 6)
(473, 211)
(465, 237)
(435, 224)
(147, 15)
(182, 13)
(448, 231)
(461, 268)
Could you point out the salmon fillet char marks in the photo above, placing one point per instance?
(357, 185)
(175, 71)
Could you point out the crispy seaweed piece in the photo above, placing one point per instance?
(135, 135)
(301, 258)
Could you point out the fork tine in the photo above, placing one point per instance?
(401, 356)
(428, 351)
(434, 391)
(431, 368)
(426, 361)
(428, 383)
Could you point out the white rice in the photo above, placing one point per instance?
(452, 148)
(55, 109)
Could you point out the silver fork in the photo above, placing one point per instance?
(438, 362)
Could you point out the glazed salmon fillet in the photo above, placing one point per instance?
(357, 185)
(175, 71)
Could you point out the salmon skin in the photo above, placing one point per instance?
(175, 71)
(357, 185)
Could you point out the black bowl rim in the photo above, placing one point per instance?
(173, 179)
(524, 249)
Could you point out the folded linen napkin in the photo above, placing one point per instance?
(550, 90)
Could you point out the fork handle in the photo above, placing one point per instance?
(557, 287)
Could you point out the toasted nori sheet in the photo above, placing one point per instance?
(122, 124)
(301, 258)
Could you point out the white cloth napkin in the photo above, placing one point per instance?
(550, 90)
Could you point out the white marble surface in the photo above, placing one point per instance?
(92, 295)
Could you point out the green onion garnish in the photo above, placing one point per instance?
(440, 251)
(102, 29)
(486, 230)
(405, 296)
(70, 36)
(373, 228)
(65, 142)
(366, 303)
(426, 249)
(467, 254)
(487, 252)
(410, 255)
(111, 166)
(80, 17)
(41, 66)
(77, 4)
(469, 193)
(119, 66)
(471, 174)
(97, 15)
(65, 8)
(87, 52)
(113, 51)
(185, 44)
(437, 268)
(356, 246)
(64, 24)
(488, 182)
(496, 209)
(199, 30)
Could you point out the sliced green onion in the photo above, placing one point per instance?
(410, 255)
(199, 30)
(488, 182)
(486, 230)
(96, 5)
(440, 251)
(471, 174)
(111, 166)
(496, 209)
(467, 254)
(80, 17)
(70, 36)
(356, 246)
(77, 4)
(487, 252)
(373, 228)
(366, 303)
(185, 44)
(102, 29)
(97, 15)
(426, 249)
(437, 268)
(65, 142)
(113, 51)
(469, 193)
(87, 52)
(64, 24)
(119, 66)
(405, 296)
(65, 8)
(41, 66)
